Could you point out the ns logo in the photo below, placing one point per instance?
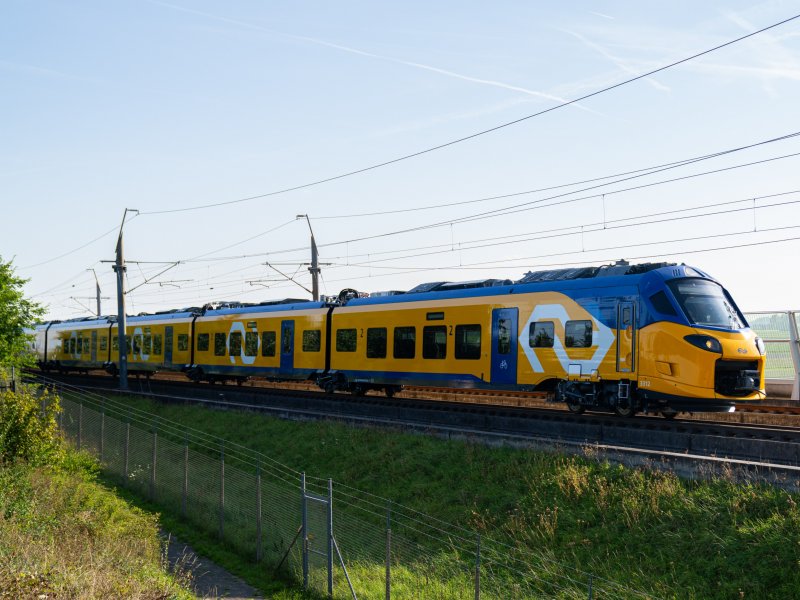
(602, 339)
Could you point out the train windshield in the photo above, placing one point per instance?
(706, 303)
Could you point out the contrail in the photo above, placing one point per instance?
(489, 82)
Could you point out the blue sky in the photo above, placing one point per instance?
(166, 105)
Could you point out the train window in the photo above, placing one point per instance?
(662, 304)
(115, 344)
(103, 343)
(251, 343)
(346, 340)
(376, 342)
(311, 340)
(137, 344)
(86, 345)
(286, 339)
(72, 346)
(268, 343)
(157, 344)
(202, 342)
(434, 342)
(541, 335)
(78, 348)
(147, 344)
(468, 341)
(235, 343)
(219, 344)
(503, 336)
(183, 342)
(128, 343)
(405, 340)
(578, 334)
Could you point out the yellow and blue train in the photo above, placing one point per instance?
(628, 338)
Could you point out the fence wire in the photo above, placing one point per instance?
(255, 506)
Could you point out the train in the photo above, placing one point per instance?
(628, 338)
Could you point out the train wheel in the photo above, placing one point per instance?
(625, 408)
(576, 408)
(389, 391)
(669, 413)
(357, 390)
(329, 387)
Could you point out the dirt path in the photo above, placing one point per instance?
(209, 580)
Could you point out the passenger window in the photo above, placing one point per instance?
(147, 345)
(541, 334)
(219, 344)
(183, 342)
(405, 339)
(128, 344)
(203, 342)
(346, 340)
(503, 336)
(286, 339)
(103, 343)
(115, 344)
(79, 346)
(235, 344)
(86, 345)
(137, 344)
(72, 346)
(434, 342)
(251, 343)
(268, 339)
(157, 344)
(578, 334)
(468, 341)
(376, 342)
(311, 340)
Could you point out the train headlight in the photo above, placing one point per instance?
(706, 342)
(762, 349)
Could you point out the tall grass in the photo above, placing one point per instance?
(646, 530)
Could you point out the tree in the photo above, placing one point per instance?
(16, 314)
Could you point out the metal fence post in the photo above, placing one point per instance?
(330, 538)
(591, 581)
(304, 527)
(153, 471)
(388, 553)
(478, 570)
(44, 408)
(185, 492)
(222, 491)
(795, 347)
(13, 379)
(125, 451)
(102, 432)
(80, 424)
(258, 513)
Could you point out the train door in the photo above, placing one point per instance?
(94, 346)
(168, 346)
(287, 346)
(626, 337)
(504, 346)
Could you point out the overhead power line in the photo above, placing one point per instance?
(478, 133)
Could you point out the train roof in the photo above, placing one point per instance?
(620, 274)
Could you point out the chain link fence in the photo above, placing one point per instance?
(334, 539)
(779, 330)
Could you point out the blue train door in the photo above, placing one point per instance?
(168, 345)
(287, 346)
(504, 346)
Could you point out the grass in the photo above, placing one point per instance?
(647, 530)
(64, 535)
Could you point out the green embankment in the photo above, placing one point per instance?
(62, 534)
(651, 531)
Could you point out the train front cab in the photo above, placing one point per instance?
(697, 352)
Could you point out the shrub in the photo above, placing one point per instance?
(28, 428)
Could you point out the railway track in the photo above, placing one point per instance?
(766, 444)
